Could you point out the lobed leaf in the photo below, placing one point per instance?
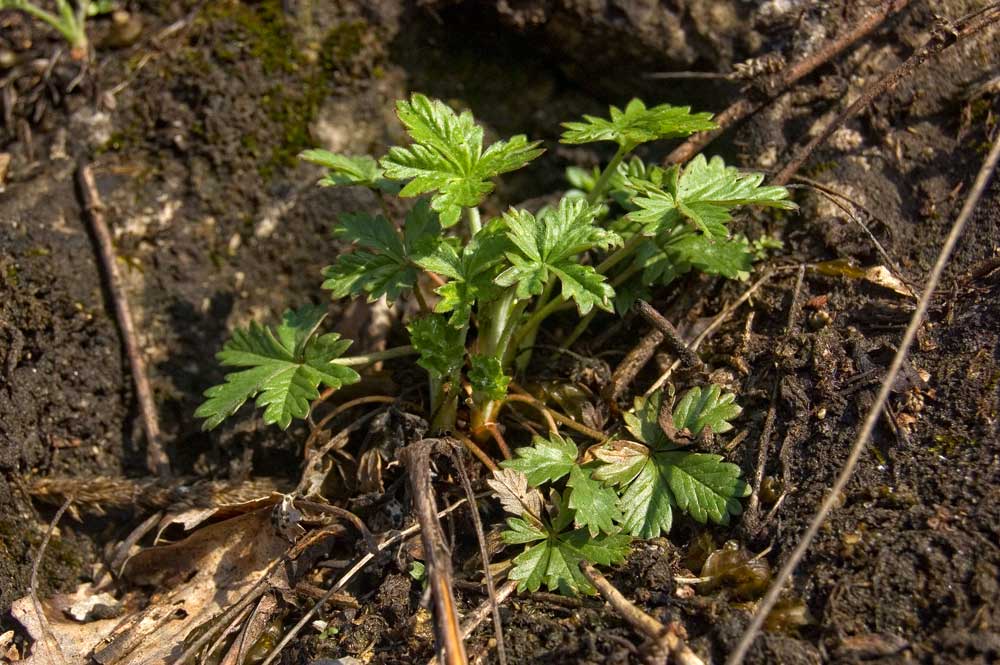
(286, 368)
(516, 497)
(360, 170)
(391, 267)
(595, 506)
(547, 460)
(704, 194)
(706, 407)
(487, 377)
(447, 157)
(637, 125)
(547, 245)
(440, 346)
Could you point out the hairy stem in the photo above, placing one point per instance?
(475, 223)
(597, 193)
(369, 358)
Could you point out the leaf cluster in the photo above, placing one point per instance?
(621, 489)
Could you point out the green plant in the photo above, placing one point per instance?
(620, 231)
(69, 20)
(620, 489)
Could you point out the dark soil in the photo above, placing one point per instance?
(193, 129)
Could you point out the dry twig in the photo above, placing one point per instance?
(417, 458)
(665, 642)
(874, 412)
(670, 335)
(780, 82)
(942, 37)
(156, 459)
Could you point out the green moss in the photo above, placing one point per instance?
(342, 45)
(948, 445)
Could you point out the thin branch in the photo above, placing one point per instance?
(670, 335)
(552, 416)
(48, 639)
(417, 458)
(156, 459)
(874, 412)
(478, 615)
(941, 38)
(667, 641)
(782, 81)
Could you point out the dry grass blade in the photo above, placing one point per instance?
(344, 579)
(478, 615)
(874, 412)
(484, 552)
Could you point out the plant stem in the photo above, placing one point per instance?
(369, 358)
(601, 185)
(620, 254)
(535, 320)
(580, 328)
(475, 223)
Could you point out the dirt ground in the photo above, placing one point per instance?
(192, 124)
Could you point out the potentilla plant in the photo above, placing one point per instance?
(619, 232)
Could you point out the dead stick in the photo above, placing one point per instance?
(632, 364)
(940, 39)
(833, 496)
(780, 82)
(417, 458)
(156, 459)
(667, 640)
(670, 335)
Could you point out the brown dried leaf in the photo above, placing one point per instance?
(199, 578)
(515, 496)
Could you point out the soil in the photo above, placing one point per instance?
(192, 127)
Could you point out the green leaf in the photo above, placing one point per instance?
(441, 348)
(359, 170)
(521, 531)
(391, 267)
(487, 377)
(647, 502)
(555, 561)
(637, 124)
(704, 194)
(447, 157)
(471, 271)
(548, 245)
(643, 422)
(286, 368)
(709, 406)
(546, 460)
(657, 476)
(595, 506)
(703, 485)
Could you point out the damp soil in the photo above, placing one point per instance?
(192, 124)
